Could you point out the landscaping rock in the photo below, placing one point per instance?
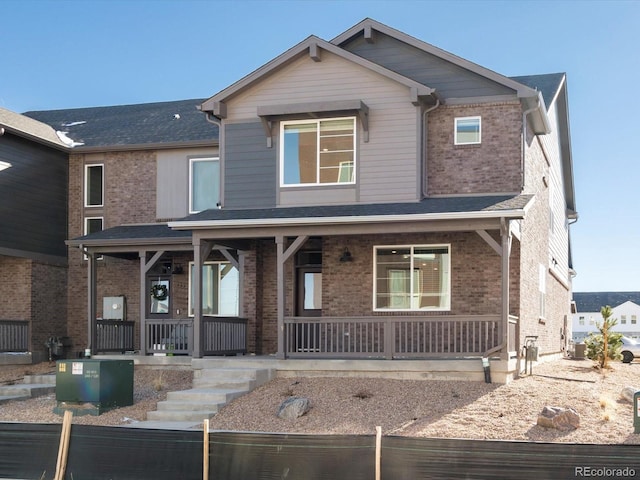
(293, 408)
(559, 418)
(627, 393)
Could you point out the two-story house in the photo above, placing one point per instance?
(371, 197)
(625, 307)
(33, 222)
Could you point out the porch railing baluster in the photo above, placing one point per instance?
(433, 336)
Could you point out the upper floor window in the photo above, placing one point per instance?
(94, 185)
(623, 319)
(581, 321)
(204, 184)
(467, 130)
(318, 152)
(412, 278)
(634, 319)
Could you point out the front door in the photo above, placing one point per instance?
(159, 296)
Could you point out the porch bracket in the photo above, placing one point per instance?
(232, 260)
(266, 124)
(490, 240)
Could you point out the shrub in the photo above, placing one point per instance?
(606, 345)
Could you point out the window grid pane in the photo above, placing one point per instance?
(412, 278)
(318, 152)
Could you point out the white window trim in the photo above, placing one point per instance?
(455, 130)
(317, 123)
(445, 308)
(86, 185)
(189, 287)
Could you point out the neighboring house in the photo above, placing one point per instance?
(372, 197)
(625, 307)
(33, 221)
(132, 165)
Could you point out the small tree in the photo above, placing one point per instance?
(606, 345)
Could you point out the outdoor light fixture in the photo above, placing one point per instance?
(346, 255)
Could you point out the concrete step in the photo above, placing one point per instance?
(205, 395)
(45, 379)
(179, 416)
(22, 391)
(213, 388)
(186, 406)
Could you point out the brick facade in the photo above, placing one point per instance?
(39, 296)
(492, 166)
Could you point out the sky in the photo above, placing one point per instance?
(60, 54)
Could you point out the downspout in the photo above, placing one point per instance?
(524, 139)
(425, 129)
(211, 118)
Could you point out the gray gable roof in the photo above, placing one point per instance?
(547, 84)
(128, 126)
(594, 301)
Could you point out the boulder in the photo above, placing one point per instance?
(559, 418)
(293, 407)
(627, 393)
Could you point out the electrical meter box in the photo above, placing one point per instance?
(113, 308)
(93, 386)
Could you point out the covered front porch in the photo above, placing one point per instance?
(275, 260)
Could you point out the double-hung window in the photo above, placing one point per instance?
(318, 152)
(93, 225)
(204, 184)
(94, 185)
(220, 289)
(412, 278)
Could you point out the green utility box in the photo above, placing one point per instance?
(91, 386)
(636, 412)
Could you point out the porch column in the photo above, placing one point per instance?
(280, 294)
(201, 250)
(282, 256)
(91, 301)
(144, 269)
(505, 233)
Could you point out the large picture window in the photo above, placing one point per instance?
(94, 185)
(204, 184)
(220, 289)
(318, 152)
(412, 278)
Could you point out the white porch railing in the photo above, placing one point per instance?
(445, 336)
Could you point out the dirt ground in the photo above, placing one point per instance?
(419, 408)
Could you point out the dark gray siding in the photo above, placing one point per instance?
(33, 198)
(450, 81)
(250, 168)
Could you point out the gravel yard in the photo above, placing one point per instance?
(428, 408)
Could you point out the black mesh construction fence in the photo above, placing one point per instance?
(29, 451)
